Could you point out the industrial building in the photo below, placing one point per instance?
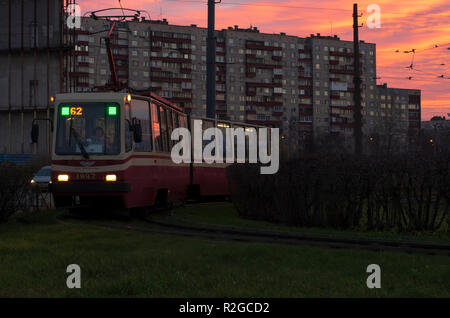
(33, 55)
(302, 85)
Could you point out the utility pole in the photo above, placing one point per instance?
(357, 130)
(211, 63)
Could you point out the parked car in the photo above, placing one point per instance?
(42, 178)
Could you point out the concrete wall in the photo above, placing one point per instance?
(30, 55)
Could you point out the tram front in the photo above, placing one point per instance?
(88, 156)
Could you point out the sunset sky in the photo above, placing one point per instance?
(405, 25)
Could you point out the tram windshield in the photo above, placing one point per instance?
(88, 128)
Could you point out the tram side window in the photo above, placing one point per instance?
(182, 120)
(163, 121)
(128, 136)
(169, 127)
(140, 111)
(175, 117)
(156, 127)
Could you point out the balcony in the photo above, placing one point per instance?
(346, 54)
(343, 124)
(81, 53)
(170, 79)
(264, 66)
(79, 74)
(338, 71)
(266, 104)
(76, 31)
(251, 84)
(348, 107)
(120, 56)
(265, 122)
(119, 46)
(170, 40)
(171, 59)
(255, 46)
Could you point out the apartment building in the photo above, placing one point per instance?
(269, 79)
(303, 85)
(396, 119)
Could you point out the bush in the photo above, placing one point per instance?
(14, 189)
(400, 193)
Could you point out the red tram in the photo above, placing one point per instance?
(113, 150)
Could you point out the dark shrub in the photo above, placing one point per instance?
(14, 189)
(399, 192)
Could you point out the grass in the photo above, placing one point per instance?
(224, 214)
(121, 263)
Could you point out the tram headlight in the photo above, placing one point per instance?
(63, 177)
(111, 178)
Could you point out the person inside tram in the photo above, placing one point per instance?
(99, 136)
(96, 141)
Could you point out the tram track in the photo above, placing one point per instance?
(226, 233)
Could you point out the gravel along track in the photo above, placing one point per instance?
(263, 236)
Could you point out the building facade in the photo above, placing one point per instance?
(32, 58)
(397, 116)
(304, 86)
